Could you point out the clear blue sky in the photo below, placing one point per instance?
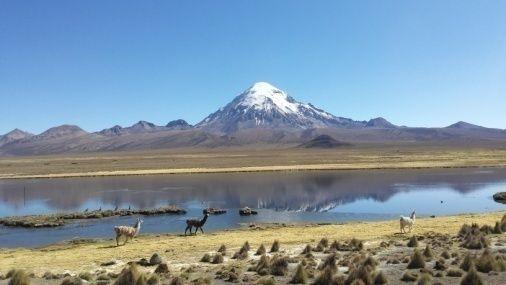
(101, 63)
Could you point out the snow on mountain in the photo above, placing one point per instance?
(265, 106)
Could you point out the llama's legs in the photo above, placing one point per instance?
(187, 227)
(201, 230)
(117, 240)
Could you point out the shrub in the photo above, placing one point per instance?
(416, 260)
(72, 281)
(413, 242)
(486, 229)
(261, 250)
(471, 278)
(222, 249)
(86, 276)
(454, 272)
(300, 276)
(409, 276)
(279, 265)
(206, 258)
(380, 279)
(427, 252)
(18, 277)
(370, 261)
(246, 246)
(129, 275)
(425, 279)
(162, 268)
(472, 237)
(275, 246)
(217, 259)
(503, 223)
(335, 245)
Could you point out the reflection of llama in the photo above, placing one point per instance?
(198, 224)
(407, 222)
(127, 232)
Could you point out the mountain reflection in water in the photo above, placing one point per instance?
(309, 191)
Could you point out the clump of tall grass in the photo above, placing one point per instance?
(275, 246)
(300, 276)
(472, 278)
(18, 277)
(261, 250)
(130, 275)
(416, 260)
(413, 242)
(243, 252)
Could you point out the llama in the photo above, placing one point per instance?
(127, 232)
(407, 222)
(198, 224)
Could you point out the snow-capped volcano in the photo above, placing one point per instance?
(265, 106)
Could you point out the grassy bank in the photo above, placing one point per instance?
(229, 160)
(184, 250)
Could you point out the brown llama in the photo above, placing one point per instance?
(198, 224)
(128, 232)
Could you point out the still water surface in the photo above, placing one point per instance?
(292, 197)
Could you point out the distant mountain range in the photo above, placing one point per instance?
(261, 115)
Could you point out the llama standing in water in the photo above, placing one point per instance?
(407, 222)
(198, 224)
(127, 232)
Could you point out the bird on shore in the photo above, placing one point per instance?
(116, 208)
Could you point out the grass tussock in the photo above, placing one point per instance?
(472, 278)
(329, 262)
(263, 264)
(362, 274)
(488, 262)
(445, 254)
(153, 279)
(222, 250)
(413, 242)
(409, 276)
(275, 246)
(454, 272)
(425, 279)
(243, 252)
(300, 276)
(327, 277)
(266, 281)
(217, 259)
(307, 249)
(86, 276)
(324, 242)
(380, 279)
(131, 275)
(206, 258)
(202, 281)
(416, 260)
(467, 263)
(18, 277)
(279, 265)
(261, 250)
(427, 252)
(472, 237)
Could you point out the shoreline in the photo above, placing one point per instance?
(77, 257)
(252, 169)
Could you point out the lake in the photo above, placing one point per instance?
(290, 197)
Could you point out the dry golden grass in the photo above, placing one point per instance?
(240, 160)
(179, 249)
